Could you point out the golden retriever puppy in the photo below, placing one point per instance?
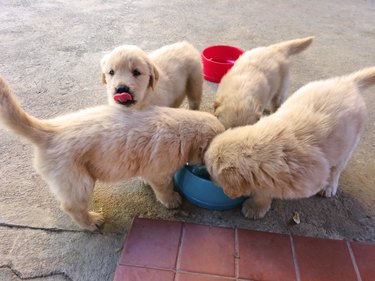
(296, 152)
(164, 77)
(110, 144)
(258, 79)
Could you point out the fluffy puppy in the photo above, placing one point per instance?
(296, 152)
(259, 78)
(110, 144)
(164, 77)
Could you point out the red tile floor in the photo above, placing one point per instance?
(157, 250)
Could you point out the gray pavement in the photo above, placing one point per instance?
(50, 53)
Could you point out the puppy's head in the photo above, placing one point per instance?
(234, 115)
(199, 142)
(128, 74)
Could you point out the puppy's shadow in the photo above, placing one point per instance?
(340, 217)
(120, 202)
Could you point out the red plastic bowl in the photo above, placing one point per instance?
(217, 60)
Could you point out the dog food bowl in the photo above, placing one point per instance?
(217, 60)
(194, 184)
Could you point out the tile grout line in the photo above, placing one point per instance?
(295, 261)
(207, 275)
(147, 267)
(236, 254)
(177, 265)
(353, 261)
(177, 271)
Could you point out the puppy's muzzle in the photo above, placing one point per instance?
(122, 89)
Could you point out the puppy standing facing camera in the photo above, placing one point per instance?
(164, 77)
(258, 78)
(296, 152)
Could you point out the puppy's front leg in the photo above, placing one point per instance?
(91, 221)
(164, 192)
(256, 206)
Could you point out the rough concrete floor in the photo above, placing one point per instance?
(50, 52)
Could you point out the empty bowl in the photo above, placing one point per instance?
(194, 184)
(217, 60)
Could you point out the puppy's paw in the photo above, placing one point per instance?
(328, 191)
(173, 201)
(254, 210)
(96, 222)
(143, 181)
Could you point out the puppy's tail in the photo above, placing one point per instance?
(295, 46)
(16, 119)
(364, 78)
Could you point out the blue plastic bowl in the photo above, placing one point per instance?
(203, 192)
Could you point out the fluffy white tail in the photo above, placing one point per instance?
(295, 46)
(364, 78)
(16, 119)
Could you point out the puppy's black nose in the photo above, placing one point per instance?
(122, 89)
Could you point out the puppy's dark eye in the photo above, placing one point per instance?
(111, 72)
(136, 72)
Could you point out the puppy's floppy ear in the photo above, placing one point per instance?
(102, 78)
(197, 152)
(103, 63)
(154, 74)
(237, 184)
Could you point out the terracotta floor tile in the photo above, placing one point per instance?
(323, 260)
(365, 258)
(199, 277)
(128, 273)
(265, 256)
(207, 249)
(208, 254)
(152, 243)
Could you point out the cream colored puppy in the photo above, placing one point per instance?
(296, 152)
(164, 77)
(109, 144)
(259, 78)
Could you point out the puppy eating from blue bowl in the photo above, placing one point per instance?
(194, 184)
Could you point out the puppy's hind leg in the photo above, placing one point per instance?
(333, 180)
(279, 97)
(164, 191)
(194, 88)
(75, 195)
(256, 206)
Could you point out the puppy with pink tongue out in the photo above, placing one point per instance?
(164, 77)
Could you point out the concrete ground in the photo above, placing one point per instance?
(50, 53)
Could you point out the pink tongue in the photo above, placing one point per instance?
(122, 97)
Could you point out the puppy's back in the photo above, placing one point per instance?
(335, 97)
(181, 51)
(111, 141)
